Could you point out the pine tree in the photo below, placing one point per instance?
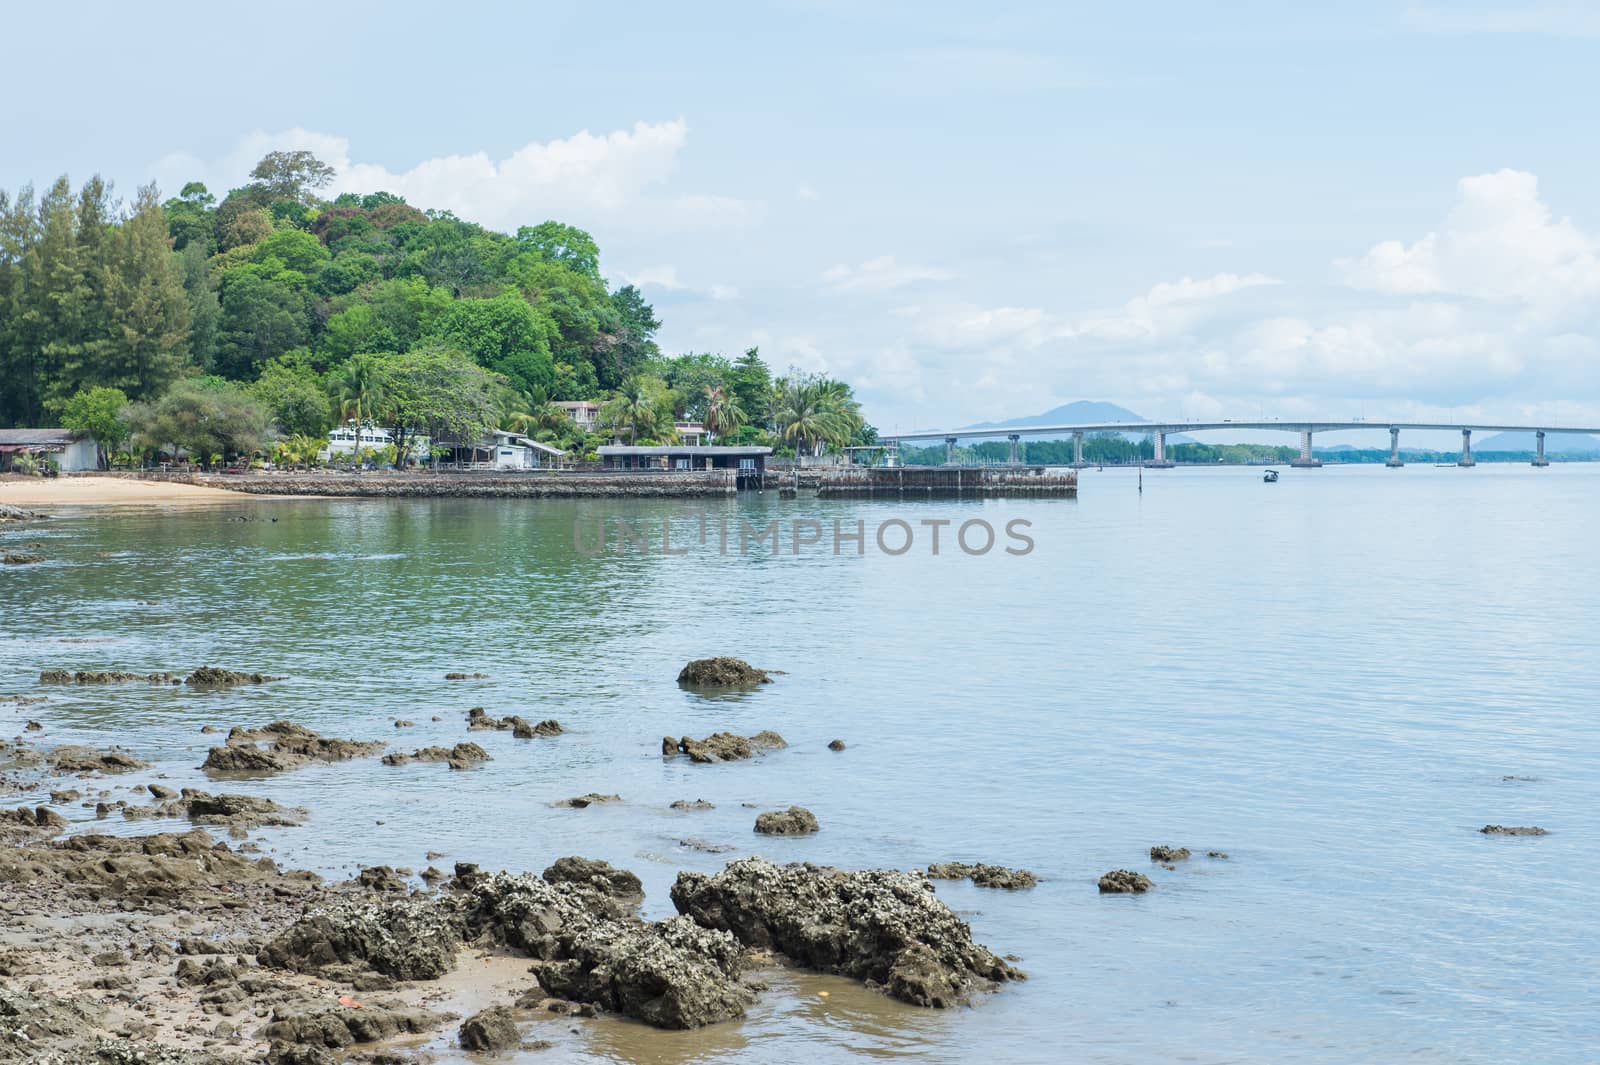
(147, 310)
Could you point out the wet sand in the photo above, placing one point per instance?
(106, 491)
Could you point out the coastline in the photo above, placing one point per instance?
(107, 491)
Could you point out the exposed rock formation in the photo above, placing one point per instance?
(887, 928)
(795, 821)
(722, 672)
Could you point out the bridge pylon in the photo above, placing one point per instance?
(1539, 459)
(1394, 462)
(1308, 459)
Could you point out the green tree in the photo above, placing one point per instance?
(751, 383)
(263, 315)
(567, 245)
(642, 407)
(724, 416)
(99, 414)
(201, 416)
(148, 310)
(294, 175)
(358, 389)
(437, 392)
(292, 394)
(503, 334)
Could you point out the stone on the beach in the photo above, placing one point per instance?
(1124, 882)
(287, 746)
(461, 756)
(602, 877)
(1513, 830)
(489, 1031)
(337, 1027)
(548, 727)
(795, 821)
(411, 938)
(722, 672)
(881, 926)
(80, 760)
(723, 746)
(214, 677)
(984, 875)
(671, 974)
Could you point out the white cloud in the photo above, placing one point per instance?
(806, 192)
(881, 274)
(582, 177)
(666, 277)
(1499, 243)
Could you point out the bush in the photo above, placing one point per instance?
(26, 465)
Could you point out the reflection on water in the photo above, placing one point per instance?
(1337, 681)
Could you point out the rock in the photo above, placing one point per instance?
(213, 677)
(240, 811)
(466, 676)
(403, 723)
(581, 801)
(160, 791)
(412, 938)
(431, 875)
(672, 974)
(491, 1030)
(1513, 830)
(34, 819)
(33, 726)
(461, 756)
(523, 912)
(83, 760)
(795, 821)
(695, 843)
(548, 727)
(20, 558)
(63, 676)
(600, 876)
(1124, 882)
(722, 746)
(698, 804)
(380, 878)
(11, 513)
(336, 1027)
(288, 746)
(1168, 854)
(722, 673)
(880, 926)
(1217, 854)
(836, 745)
(24, 700)
(990, 876)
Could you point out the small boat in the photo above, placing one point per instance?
(1270, 476)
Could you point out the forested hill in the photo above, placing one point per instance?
(276, 297)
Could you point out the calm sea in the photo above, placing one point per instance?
(1336, 679)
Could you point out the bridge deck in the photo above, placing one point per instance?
(1195, 427)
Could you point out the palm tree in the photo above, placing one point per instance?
(356, 390)
(637, 406)
(723, 413)
(813, 411)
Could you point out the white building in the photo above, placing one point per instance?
(502, 450)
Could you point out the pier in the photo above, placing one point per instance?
(946, 482)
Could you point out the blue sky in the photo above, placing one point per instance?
(970, 211)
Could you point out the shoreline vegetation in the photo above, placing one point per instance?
(244, 330)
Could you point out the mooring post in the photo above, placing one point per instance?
(1394, 449)
(1466, 449)
(1539, 459)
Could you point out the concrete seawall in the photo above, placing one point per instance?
(530, 485)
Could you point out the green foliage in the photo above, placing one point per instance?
(642, 408)
(203, 417)
(264, 314)
(567, 246)
(98, 412)
(504, 334)
(293, 176)
(294, 396)
(811, 412)
(435, 391)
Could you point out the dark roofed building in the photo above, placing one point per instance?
(684, 457)
(71, 452)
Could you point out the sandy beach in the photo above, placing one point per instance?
(105, 491)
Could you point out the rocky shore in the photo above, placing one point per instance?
(181, 947)
(532, 484)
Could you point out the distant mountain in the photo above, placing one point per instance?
(1081, 412)
(1554, 443)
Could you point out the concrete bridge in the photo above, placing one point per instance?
(1160, 431)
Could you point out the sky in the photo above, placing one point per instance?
(970, 212)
